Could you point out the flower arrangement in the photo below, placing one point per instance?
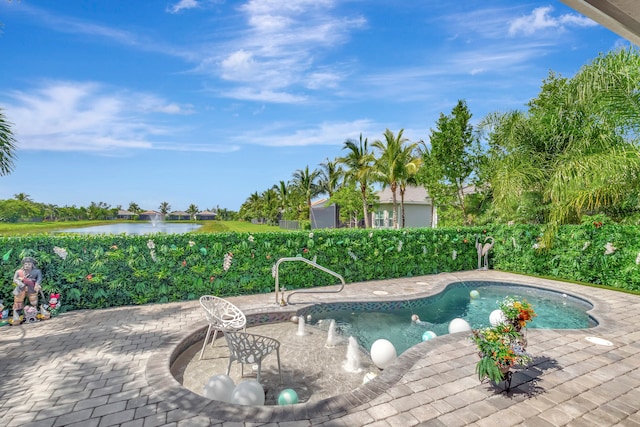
(499, 347)
(517, 312)
(503, 345)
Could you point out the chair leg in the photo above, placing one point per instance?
(206, 338)
(215, 334)
(279, 370)
(229, 367)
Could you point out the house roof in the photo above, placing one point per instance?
(123, 212)
(620, 16)
(209, 213)
(412, 195)
(149, 213)
(178, 213)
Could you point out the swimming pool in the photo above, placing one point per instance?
(391, 320)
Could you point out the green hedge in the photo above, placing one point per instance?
(105, 271)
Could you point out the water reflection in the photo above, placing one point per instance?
(135, 228)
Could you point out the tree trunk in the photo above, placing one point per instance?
(365, 210)
(394, 187)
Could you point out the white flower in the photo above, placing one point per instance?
(424, 250)
(153, 255)
(638, 259)
(251, 239)
(273, 271)
(62, 253)
(399, 245)
(609, 248)
(311, 235)
(513, 240)
(370, 234)
(226, 264)
(354, 256)
(454, 254)
(586, 245)
(150, 244)
(191, 243)
(535, 246)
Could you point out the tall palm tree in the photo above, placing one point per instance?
(390, 166)
(192, 210)
(330, 176)
(306, 182)
(22, 197)
(412, 162)
(7, 146)
(282, 191)
(133, 207)
(359, 163)
(164, 208)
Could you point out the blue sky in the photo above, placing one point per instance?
(208, 101)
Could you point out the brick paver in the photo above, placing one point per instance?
(111, 368)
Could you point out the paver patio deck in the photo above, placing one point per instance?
(111, 367)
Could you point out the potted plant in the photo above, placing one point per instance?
(502, 346)
(499, 348)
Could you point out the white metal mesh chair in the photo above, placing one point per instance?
(251, 348)
(222, 316)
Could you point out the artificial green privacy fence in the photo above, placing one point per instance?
(104, 271)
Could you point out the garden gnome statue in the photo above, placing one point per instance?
(27, 280)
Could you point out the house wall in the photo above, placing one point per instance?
(415, 216)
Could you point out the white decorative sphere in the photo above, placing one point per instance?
(474, 294)
(294, 319)
(287, 396)
(497, 317)
(383, 353)
(428, 335)
(248, 392)
(458, 325)
(368, 377)
(219, 387)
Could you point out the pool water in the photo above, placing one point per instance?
(368, 323)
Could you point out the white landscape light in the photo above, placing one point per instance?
(459, 325)
(248, 392)
(383, 353)
(497, 317)
(219, 387)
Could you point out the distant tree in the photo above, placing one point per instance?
(192, 211)
(133, 207)
(22, 197)
(331, 174)
(306, 182)
(452, 159)
(359, 163)
(390, 166)
(7, 146)
(348, 198)
(164, 208)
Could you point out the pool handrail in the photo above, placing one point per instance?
(313, 264)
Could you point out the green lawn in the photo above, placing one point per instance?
(32, 228)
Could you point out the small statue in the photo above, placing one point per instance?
(483, 251)
(27, 281)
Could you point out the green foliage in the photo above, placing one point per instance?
(107, 271)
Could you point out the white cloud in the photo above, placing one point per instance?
(540, 19)
(85, 116)
(326, 133)
(183, 5)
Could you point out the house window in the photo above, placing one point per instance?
(379, 221)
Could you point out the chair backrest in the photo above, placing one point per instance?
(249, 348)
(222, 314)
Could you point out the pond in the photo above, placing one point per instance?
(132, 228)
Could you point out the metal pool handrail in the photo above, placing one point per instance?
(313, 264)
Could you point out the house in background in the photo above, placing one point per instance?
(324, 216)
(206, 215)
(149, 216)
(179, 216)
(418, 209)
(122, 214)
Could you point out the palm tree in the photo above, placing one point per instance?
(7, 146)
(133, 207)
(164, 208)
(359, 162)
(192, 211)
(282, 191)
(390, 166)
(330, 176)
(305, 181)
(412, 162)
(22, 197)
